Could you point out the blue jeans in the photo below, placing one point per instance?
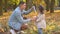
(40, 31)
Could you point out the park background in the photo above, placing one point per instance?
(52, 12)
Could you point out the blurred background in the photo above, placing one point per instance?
(52, 12)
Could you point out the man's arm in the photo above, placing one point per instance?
(20, 18)
(28, 11)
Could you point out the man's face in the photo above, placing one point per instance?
(23, 6)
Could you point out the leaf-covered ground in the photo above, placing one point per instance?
(52, 20)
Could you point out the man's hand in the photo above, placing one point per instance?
(33, 7)
(34, 18)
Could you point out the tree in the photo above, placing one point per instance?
(52, 4)
(1, 13)
(10, 4)
(47, 4)
(5, 5)
(15, 4)
(29, 4)
(59, 3)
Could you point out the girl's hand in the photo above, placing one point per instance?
(34, 18)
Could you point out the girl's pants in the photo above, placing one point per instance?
(40, 31)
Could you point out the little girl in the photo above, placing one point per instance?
(40, 21)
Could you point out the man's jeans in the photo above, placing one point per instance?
(40, 31)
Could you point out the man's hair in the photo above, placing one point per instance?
(21, 2)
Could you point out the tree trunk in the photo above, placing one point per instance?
(21, 0)
(52, 6)
(6, 5)
(1, 13)
(59, 2)
(47, 4)
(15, 4)
(29, 4)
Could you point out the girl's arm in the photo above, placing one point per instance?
(42, 17)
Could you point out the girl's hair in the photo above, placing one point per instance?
(41, 9)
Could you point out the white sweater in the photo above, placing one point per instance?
(40, 22)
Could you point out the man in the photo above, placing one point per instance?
(16, 19)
